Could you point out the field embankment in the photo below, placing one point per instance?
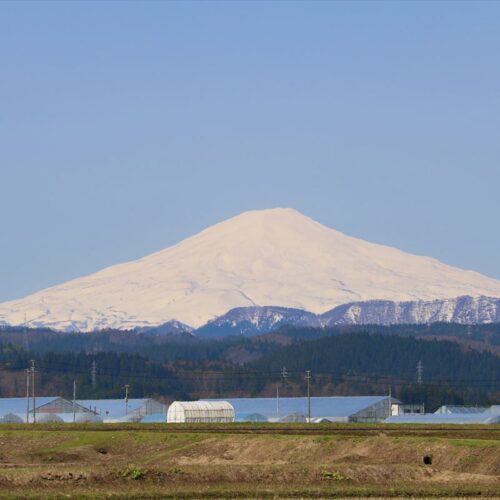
(249, 461)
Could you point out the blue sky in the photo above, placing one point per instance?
(127, 126)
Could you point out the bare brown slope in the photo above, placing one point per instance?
(227, 463)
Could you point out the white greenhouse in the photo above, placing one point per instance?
(200, 412)
(11, 418)
(87, 418)
(49, 418)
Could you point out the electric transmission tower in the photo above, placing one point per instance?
(284, 374)
(420, 372)
(93, 374)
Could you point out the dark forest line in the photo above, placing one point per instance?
(351, 360)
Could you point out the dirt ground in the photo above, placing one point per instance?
(224, 462)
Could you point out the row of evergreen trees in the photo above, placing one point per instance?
(350, 363)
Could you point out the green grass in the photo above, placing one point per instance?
(193, 461)
(476, 443)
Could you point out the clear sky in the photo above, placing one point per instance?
(127, 126)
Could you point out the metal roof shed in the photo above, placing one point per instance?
(44, 404)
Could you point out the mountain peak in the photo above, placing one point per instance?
(276, 216)
(276, 257)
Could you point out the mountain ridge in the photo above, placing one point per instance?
(464, 310)
(258, 258)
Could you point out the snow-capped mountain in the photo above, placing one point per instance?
(270, 257)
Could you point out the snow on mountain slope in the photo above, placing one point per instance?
(254, 320)
(273, 257)
(257, 320)
(463, 310)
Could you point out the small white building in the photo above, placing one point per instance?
(200, 412)
(407, 409)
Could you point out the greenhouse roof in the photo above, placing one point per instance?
(202, 405)
(320, 406)
(461, 409)
(18, 405)
(154, 418)
(112, 408)
(445, 418)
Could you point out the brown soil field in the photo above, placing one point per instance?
(242, 461)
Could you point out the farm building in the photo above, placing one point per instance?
(447, 410)
(449, 418)
(120, 410)
(332, 409)
(44, 405)
(452, 415)
(407, 409)
(200, 412)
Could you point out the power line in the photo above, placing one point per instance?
(214, 375)
(218, 374)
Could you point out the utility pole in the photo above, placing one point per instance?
(126, 398)
(420, 372)
(33, 370)
(93, 374)
(278, 400)
(28, 374)
(389, 412)
(308, 378)
(74, 401)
